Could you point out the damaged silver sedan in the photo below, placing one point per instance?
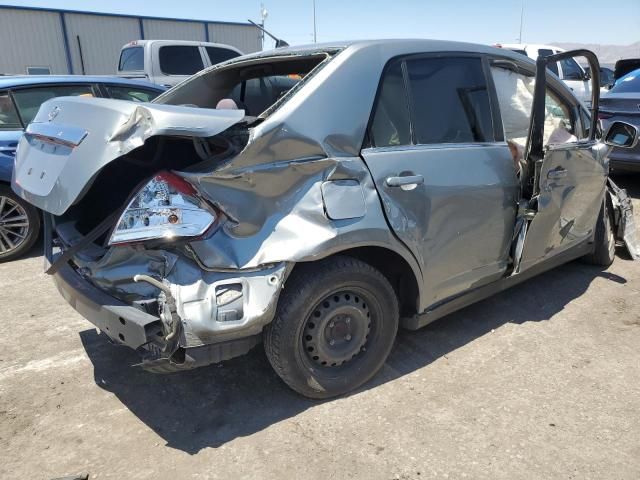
(316, 198)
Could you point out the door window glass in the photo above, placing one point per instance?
(131, 60)
(390, 124)
(558, 124)
(449, 100)
(133, 94)
(28, 100)
(515, 98)
(545, 52)
(180, 60)
(571, 70)
(218, 55)
(8, 116)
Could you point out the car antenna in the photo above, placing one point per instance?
(279, 42)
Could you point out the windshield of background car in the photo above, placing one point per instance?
(28, 100)
(253, 86)
(630, 83)
(131, 60)
(9, 119)
(545, 52)
(571, 70)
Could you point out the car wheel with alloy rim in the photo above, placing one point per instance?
(19, 225)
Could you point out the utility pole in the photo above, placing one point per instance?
(521, 21)
(315, 36)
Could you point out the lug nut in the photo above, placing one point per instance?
(332, 324)
(348, 320)
(332, 342)
(348, 337)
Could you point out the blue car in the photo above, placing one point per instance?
(20, 99)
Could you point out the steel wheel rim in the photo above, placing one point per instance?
(14, 225)
(338, 329)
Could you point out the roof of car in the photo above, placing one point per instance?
(408, 44)
(11, 81)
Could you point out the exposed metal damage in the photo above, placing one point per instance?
(625, 232)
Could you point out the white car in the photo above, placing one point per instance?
(569, 71)
(168, 62)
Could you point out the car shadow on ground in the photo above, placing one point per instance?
(211, 406)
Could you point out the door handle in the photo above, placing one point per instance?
(557, 173)
(404, 181)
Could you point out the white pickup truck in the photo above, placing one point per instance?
(168, 62)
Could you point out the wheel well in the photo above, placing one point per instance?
(396, 269)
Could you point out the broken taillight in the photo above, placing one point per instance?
(166, 207)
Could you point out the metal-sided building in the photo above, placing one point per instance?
(39, 40)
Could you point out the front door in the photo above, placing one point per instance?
(564, 177)
(448, 187)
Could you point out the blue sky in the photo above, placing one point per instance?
(545, 21)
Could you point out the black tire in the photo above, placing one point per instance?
(343, 296)
(16, 235)
(604, 251)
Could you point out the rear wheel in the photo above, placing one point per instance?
(604, 251)
(19, 225)
(334, 327)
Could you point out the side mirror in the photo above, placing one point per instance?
(586, 77)
(621, 134)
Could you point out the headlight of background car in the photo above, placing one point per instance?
(166, 207)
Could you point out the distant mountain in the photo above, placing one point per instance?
(608, 55)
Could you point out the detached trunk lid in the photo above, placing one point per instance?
(72, 138)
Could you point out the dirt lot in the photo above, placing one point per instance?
(542, 381)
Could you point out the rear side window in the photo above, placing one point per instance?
(8, 116)
(28, 100)
(180, 60)
(449, 100)
(131, 59)
(133, 94)
(545, 52)
(218, 55)
(390, 123)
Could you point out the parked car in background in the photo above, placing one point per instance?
(20, 99)
(168, 62)
(568, 69)
(622, 103)
(624, 66)
(606, 77)
(382, 188)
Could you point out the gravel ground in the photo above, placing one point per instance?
(542, 381)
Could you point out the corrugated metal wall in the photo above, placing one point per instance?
(173, 30)
(31, 39)
(101, 38)
(35, 37)
(246, 38)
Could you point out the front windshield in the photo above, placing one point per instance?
(252, 86)
(630, 83)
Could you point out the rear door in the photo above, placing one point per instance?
(564, 177)
(446, 178)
